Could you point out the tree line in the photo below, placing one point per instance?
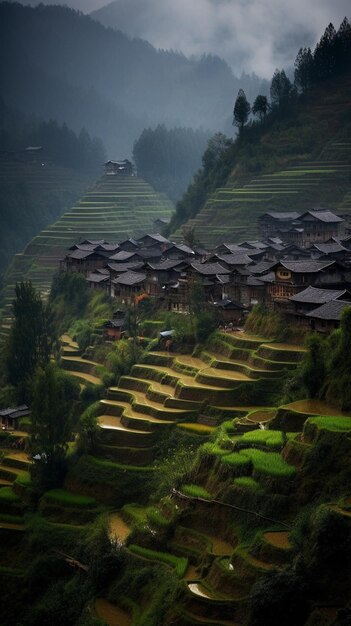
(167, 158)
(62, 146)
(330, 58)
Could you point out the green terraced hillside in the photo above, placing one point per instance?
(32, 194)
(304, 162)
(115, 208)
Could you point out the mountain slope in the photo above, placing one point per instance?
(301, 160)
(114, 209)
(69, 67)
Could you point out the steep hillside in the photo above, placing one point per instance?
(31, 195)
(295, 161)
(113, 209)
(67, 67)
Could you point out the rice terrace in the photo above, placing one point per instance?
(175, 315)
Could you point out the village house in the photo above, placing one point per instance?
(326, 318)
(319, 225)
(10, 417)
(294, 276)
(273, 223)
(118, 168)
(127, 286)
(114, 328)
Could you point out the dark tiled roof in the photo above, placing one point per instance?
(255, 281)
(329, 248)
(323, 216)
(306, 266)
(330, 311)
(165, 265)
(254, 244)
(129, 278)
(123, 255)
(156, 236)
(96, 278)
(81, 254)
(282, 215)
(13, 411)
(124, 267)
(267, 278)
(235, 259)
(312, 295)
(262, 267)
(208, 269)
(228, 304)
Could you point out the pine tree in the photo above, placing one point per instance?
(260, 107)
(241, 110)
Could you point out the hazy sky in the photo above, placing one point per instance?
(252, 35)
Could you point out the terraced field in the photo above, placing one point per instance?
(232, 212)
(115, 208)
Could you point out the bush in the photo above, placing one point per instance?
(270, 463)
(180, 564)
(196, 491)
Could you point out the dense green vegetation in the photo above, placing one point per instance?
(277, 158)
(167, 159)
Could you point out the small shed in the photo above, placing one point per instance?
(9, 418)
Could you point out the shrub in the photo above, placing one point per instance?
(247, 482)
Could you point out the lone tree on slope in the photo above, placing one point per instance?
(260, 107)
(241, 110)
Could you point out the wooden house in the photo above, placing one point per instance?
(319, 225)
(294, 276)
(9, 418)
(326, 317)
(118, 168)
(273, 223)
(127, 286)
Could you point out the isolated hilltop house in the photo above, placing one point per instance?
(120, 168)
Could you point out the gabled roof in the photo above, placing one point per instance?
(122, 255)
(156, 236)
(330, 311)
(15, 411)
(329, 248)
(228, 305)
(208, 269)
(323, 215)
(81, 254)
(235, 259)
(262, 267)
(97, 278)
(124, 267)
(259, 245)
(129, 278)
(307, 266)
(312, 295)
(166, 265)
(282, 215)
(180, 246)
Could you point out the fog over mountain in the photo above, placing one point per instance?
(251, 35)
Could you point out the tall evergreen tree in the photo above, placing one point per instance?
(281, 88)
(31, 338)
(260, 107)
(303, 69)
(51, 427)
(241, 110)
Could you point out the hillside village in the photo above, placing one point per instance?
(301, 268)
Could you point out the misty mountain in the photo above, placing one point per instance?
(66, 66)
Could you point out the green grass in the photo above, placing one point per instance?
(199, 429)
(270, 463)
(270, 438)
(248, 483)
(8, 495)
(180, 564)
(236, 460)
(155, 517)
(213, 449)
(335, 424)
(195, 491)
(66, 498)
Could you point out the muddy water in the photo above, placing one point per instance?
(111, 614)
(315, 407)
(220, 547)
(118, 529)
(278, 539)
(192, 573)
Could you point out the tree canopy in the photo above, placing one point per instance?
(241, 110)
(31, 339)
